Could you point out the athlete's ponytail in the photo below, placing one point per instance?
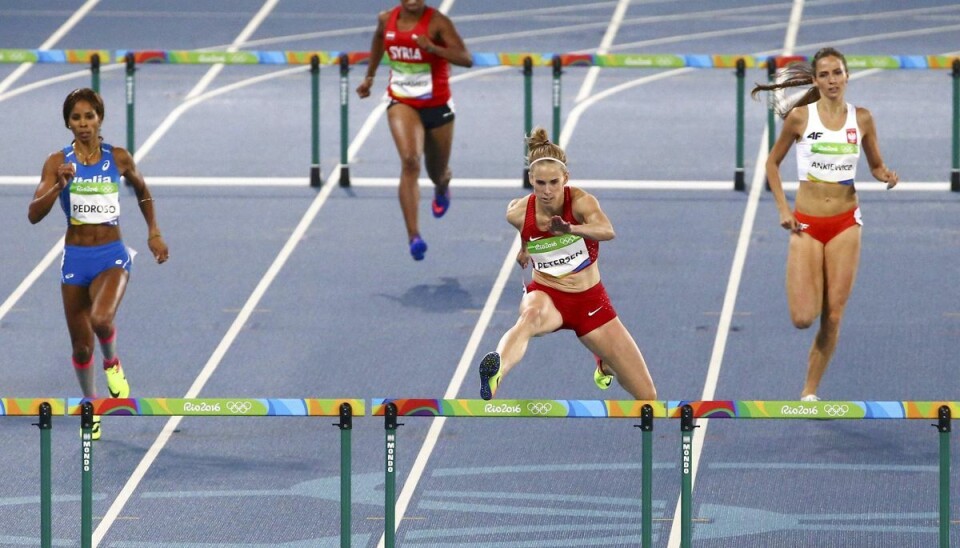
(795, 75)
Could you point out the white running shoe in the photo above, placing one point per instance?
(810, 397)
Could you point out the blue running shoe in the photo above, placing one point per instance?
(490, 375)
(418, 248)
(441, 203)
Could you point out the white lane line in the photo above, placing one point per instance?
(723, 327)
(196, 99)
(140, 154)
(248, 308)
(464, 367)
(391, 182)
(251, 27)
(713, 371)
(733, 287)
(606, 184)
(465, 364)
(51, 255)
(134, 480)
(56, 80)
(27, 282)
(635, 21)
(54, 251)
(594, 72)
(793, 27)
(366, 29)
(574, 117)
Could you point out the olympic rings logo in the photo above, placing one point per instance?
(836, 410)
(239, 407)
(539, 408)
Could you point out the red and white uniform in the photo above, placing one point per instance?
(561, 255)
(417, 78)
(557, 255)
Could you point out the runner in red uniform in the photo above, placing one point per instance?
(561, 228)
(420, 42)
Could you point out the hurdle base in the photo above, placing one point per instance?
(315, 180)
(344, 175)
(738, 182)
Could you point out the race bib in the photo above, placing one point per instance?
(94, 202)
(411, 80)
(559, 255)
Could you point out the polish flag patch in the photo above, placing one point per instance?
(391, 35)
(852, 136)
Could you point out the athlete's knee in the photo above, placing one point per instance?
(833, 318)
(410, 163)
(829, 329)
(440, 176)
(530, 318)
(102, 324)
(82, 353)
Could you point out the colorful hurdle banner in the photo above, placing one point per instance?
(647, 411)
(486, 59)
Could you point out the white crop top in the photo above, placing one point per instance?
(828, 156)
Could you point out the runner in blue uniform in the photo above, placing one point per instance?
(85, 178)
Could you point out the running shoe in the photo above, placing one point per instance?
(117, 382)
(418, 248)
(490, 375)
(441, 203)
(95, 431)
(602, 380)
(810, 397)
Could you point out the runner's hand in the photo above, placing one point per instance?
(558, 225)
(65, 174)
(789, 222)
(523, 258)
(891, 178)
(363, 90)
(159, 248)
(424, 43)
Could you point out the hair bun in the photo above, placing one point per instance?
(538, 138)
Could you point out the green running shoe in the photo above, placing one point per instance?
(117, 382)
(490, 375)
(602, 380)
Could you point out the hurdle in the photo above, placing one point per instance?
(345, 409)
(686, 412)
(44, 409)
(645, 411)
(557, 62)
